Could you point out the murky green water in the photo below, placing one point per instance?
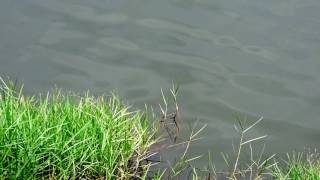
(249, 57)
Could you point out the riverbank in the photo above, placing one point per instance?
(71, 136)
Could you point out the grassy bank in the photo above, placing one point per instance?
(69, 136)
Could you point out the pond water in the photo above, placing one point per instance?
(250, 58)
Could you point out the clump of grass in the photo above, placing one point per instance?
(256, 167)
(299, 166)
(183, 168)
(70, 137)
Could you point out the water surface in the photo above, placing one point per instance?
(251, 58)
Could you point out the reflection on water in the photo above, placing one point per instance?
(263, 85)
(120, 44)
(255, 58)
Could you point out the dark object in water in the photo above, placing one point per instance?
(167, 120)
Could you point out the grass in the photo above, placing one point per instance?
(68, 136)
(299, 166)
(71, 137)
(304, 166)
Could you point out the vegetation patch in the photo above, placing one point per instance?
(299, 166)
(72, 136)
(60, 136)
